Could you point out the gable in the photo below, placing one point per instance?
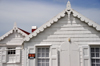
(15, 29)
(70, 12)
(14, 38)
(76, 30)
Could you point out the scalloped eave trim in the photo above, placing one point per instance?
(55, 19)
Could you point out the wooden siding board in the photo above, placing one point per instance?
(68, 24)
(73, 36)
(69, 32)
(64, 39)
(71, 28)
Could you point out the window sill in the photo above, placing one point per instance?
(43, 44)
(11, 62)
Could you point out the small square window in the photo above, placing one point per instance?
(11, 51)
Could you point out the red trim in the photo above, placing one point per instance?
(24, 31)
(33, 30)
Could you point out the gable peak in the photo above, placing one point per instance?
(15, 26)
(68, 5)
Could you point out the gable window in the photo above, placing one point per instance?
(11, 57)
(43, 56)
(95, 56)
(11, 51)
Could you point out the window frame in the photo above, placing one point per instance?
(42, 57)
(11, 51)
(11, 55)
(95, 58)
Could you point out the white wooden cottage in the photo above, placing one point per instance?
(69, 39)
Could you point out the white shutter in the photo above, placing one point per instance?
(4, 54)
(54, 56)
(18, 53)
(86, 55)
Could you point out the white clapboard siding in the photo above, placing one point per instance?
(58, 24)
(72, 39)
(75, 28)
(18, 54)
(74, 36)
(69, 32)
(31, 49)
(54, 56)
(37, 42)
(59, 42)
(71, 36)
(16, 40)
(66, 22)
(69, 25)
(86, 56)
(73, 32)
(71, 28)
(87, 42)
(4, 55)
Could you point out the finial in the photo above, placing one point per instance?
(68, 5)
(15, 25)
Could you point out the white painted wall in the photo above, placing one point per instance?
(79, 32)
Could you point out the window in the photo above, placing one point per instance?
(43, 56)
(95, 56)
(11, 51)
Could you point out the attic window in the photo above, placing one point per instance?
(11, 51)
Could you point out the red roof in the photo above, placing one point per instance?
(24, 31)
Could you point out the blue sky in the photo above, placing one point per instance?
(27, 13)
